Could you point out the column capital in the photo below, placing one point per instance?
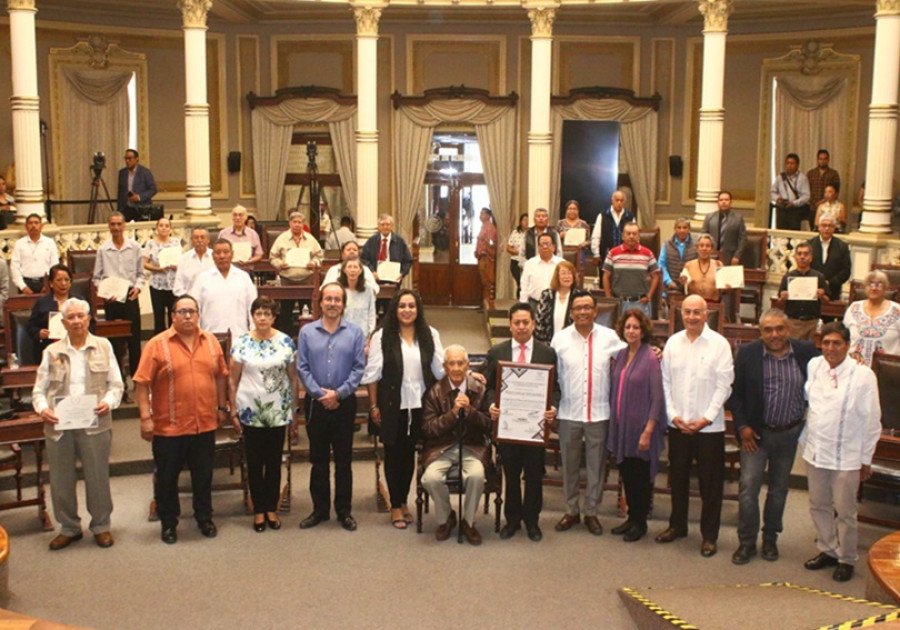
(367, 17)
(715, 15)
(887, 7)
(20, 5)
(542, 18)
(194, 12)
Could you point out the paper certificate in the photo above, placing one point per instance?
(55, 326)
(523, 395)
(169, 256)
(76, 412)
(115, 289)
(803, 288)
(575, 237)
(243, 251)
(730, 276)
(388, 271)
(296, 257)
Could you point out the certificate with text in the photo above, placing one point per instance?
(76, 412)
(242, 250)
(575, 237)
(523, 395)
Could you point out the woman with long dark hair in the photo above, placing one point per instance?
(515, 247)
(360, 307)
(405, 359)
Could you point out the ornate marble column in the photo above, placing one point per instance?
(367, 16)
(196, 108)
(539, 137)
(882, 148)
(712, 113)
(24, 104)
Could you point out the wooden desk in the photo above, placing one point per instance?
(28, 430)
(18, 378)
(884, 570)
(888, 452)
(832, 308)
(386, 290)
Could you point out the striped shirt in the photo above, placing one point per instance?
(782, 389)
(630, 269)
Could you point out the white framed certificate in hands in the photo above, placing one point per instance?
(297, 257)
(730, 276)
(388, 271)
(523, 395)
(575, 237)
(243, 251)
(114, 289)
(55, 326)
(76, 412)
(803, 288)
(169, 257)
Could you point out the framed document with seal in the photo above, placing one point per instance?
(523, 395)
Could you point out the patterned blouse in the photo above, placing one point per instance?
(868, 336)
(517, 239)
(264, 397)
(162, 280)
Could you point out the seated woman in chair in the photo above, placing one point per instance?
(60, 291)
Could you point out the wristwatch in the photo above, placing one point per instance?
(223, 408)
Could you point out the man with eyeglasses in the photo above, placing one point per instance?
(697, 372)
(330, 362)
(842, 430)
(183, 372)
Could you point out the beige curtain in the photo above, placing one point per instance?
(272, 127)
(94, 117)
(810, 114)
(637, 136)
(495, 126)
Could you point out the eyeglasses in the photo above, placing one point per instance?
(186, 312)
(876, 284)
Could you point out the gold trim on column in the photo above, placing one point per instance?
(542, 19)
(715, 15)
(884, 8)
(194, 12)
(21, 5)
(366, 18)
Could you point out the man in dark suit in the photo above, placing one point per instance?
(607, 232)
(727, 229)
(831, 258)
(768, 407)
(541, 226)
(386, 245)
(519, 458)
(136, 186)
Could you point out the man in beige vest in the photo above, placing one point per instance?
(79, 364)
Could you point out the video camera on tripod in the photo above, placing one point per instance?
(98, 163)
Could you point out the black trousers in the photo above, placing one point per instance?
(638, 486)
(162, 301)
(263, 447)
(516, 272)
(170, 455)
(400, 457)
(330, 432)
(516, 459)
(791, 218)
(130, 310)
(708, 450)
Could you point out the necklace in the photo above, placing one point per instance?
(700, 266)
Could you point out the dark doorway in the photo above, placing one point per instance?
(590, 165)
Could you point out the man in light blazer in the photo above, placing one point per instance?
(519, 458)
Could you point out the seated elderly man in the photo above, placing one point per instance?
(453, 401)
(79, 364)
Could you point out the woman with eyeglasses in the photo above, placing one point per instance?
(405, 359)
(264, 385)
(162, 279)
(874, 323)
(554, 311)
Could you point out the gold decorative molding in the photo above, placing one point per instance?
(542, 22)
(20, 5)
(98, 52)
(884, 8)
(367, 18)
(715, 15)
(194, 12)
(811, 57)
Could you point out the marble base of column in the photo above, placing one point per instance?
(198, 197)
(877, 205)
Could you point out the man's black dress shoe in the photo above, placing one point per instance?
(708, 548)
(347, 522)
(743, 554)
(618, 530)
(208, 529)
(508, 531)
(635, 533)
(535, 534)
(843, 572)
(169, 535)
(312, 520)
(769, 551)
(820, 562)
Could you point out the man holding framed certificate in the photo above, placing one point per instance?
(518, 457)
(77, 386)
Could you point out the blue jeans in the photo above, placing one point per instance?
(627, 304)
(778, 451)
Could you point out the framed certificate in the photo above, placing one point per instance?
(575, 237)
(523, 395)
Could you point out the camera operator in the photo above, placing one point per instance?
(136, 186)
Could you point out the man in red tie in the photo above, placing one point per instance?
(386, 246)
(519, 458)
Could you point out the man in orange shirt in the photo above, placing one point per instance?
(184, 371)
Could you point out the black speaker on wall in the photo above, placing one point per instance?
(676, 166)
(234, 162)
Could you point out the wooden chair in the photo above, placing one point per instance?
(269, 231)
(739, 334)
(886, 462)
(660, 332)
(715, 317)
(754, 258)
(81, 261)
(608, 311)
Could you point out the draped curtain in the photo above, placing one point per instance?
(272, 127)
(637, 136)
(94, 117)
(810, 113)
(495, 127)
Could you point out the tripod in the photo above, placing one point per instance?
(96, 183)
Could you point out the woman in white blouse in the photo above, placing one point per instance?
(515, 247)
(405, 359)
(360, 308)
(162, 279)
(554, 311)
(874, 323)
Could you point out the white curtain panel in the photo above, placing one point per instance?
(272, 127)
(495, 126)
(811, 114)
(638, 130)
(94, 117)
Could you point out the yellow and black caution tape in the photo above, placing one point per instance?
(663, 614)
(893, 615)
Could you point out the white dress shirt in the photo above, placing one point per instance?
(224, 301)
(334, 272)
(697, 378)
(583, 372)
(32, 259)
(413, 387)
(516, 347)
(188, 267)
(126, 262)
(595, 236)
(536, 276)
(844, 419)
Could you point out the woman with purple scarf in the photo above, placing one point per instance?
(637, 419)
